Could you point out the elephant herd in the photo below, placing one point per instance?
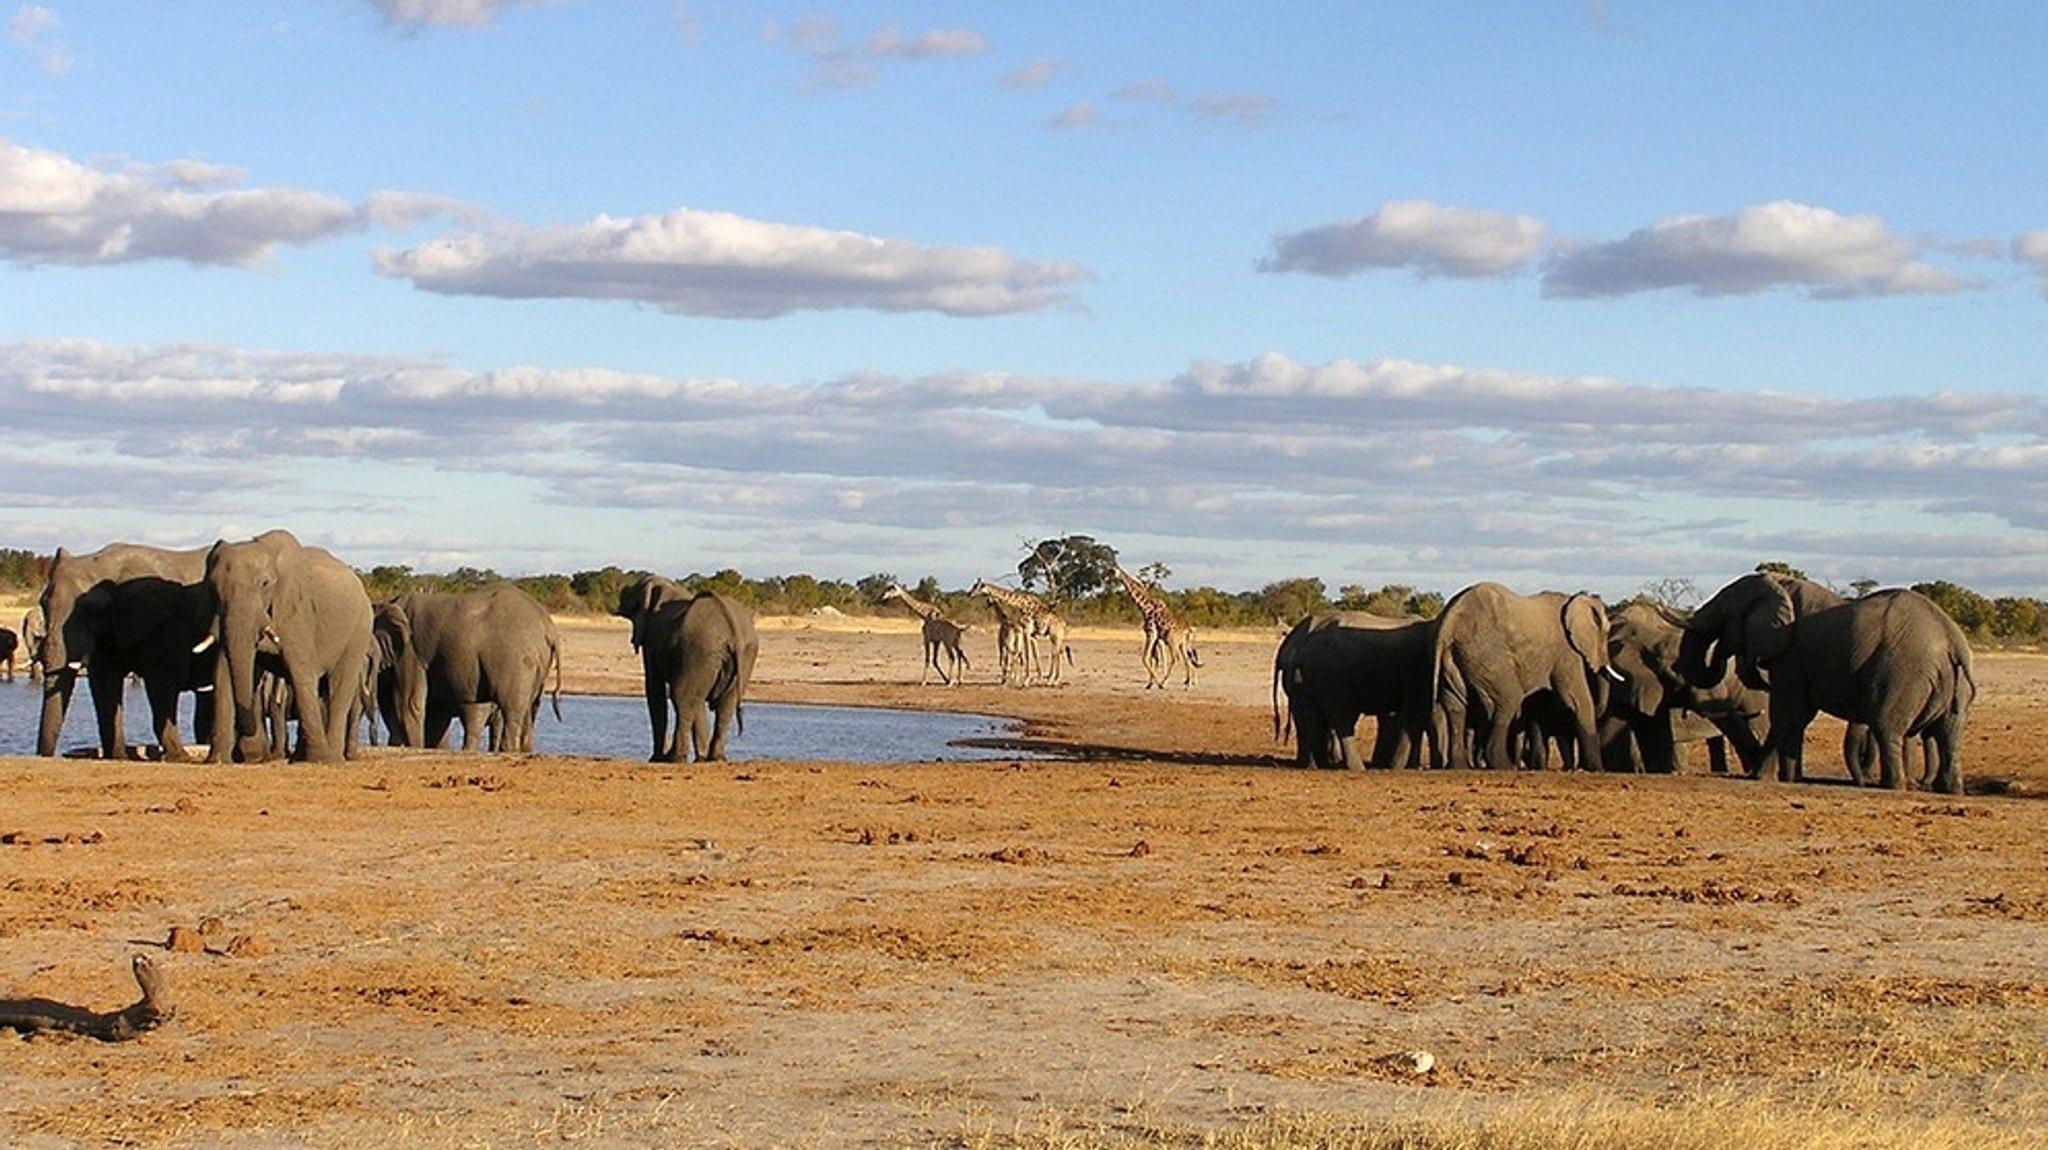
(267, 631)
(1498, 678)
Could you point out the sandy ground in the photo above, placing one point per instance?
(1170, 929)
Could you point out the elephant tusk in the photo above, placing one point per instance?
(74, 666)
(1614, 675)
(204, 646)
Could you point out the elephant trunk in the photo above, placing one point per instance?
(57, 686)
(1702, 661)
(241, 628)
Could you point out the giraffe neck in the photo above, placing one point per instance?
(1030, 605)
(919, 607)
(1152, 607)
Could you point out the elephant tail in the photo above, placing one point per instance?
(1283, 715)
(555, 657)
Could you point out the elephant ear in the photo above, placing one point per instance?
(393, 630)
(633, 606)
(1585, 628)
(1767, 624)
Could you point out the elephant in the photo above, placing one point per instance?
(1646, 715)
(123, 610)
(9, 644)
(31, 634)
(697, 651)
(272, 592)
(1494, 649)
(1891, 660)
(484, 654)
(1336, 666)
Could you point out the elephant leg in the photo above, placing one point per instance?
(657, 715)
(1891, 754)
(106, 707)
(163, 715)
(1859, 752)
(315, 731)
(689, 710)
(1788, 739)
(1391, 746)
(1943, 754)
(434, 724)
(475, 717)
(722, 724)
(1658, 745)
(1311, 739)
(1717, 754)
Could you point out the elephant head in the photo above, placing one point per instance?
(1642, 645)
(1750, 621)
(78, 606)
(1584, 619)
(640, 599)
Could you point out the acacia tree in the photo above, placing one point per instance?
(1072, 568)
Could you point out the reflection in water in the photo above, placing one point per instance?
(609, 727)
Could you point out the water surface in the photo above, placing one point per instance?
(610, 727)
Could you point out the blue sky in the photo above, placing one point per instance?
(1561, 294)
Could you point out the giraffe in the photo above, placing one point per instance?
(941, 636)
(1168, 640)
(1022, 620)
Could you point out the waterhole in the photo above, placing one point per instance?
(610, 727)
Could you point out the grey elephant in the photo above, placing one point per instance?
(1494, 649)
(272, 593)
(1337, 666)
(484, 655)
(123, 610)
(697, 652)
(1652, 710)
(1891, 660)
(32, 641)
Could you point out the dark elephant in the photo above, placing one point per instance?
(1338, 666)
(1494, 649)
(1891, 660)
(272, 592)
(9, 644)
(1655, 708)
(697, 652)
(124, 610)
(484, 655)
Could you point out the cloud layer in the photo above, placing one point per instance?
(1423, 472)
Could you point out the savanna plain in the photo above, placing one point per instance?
(1168, 936)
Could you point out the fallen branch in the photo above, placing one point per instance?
(33, 1015)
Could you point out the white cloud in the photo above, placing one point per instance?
(720, 264)
(1432, 474)
(1245, 109)
(1428, 239)
(2032, 249)
(1779, 244)
(34, 29)
(1032, 75)
(444, 13)
(1077, 115)
(54, 210)
(838, 66)
(936, 42)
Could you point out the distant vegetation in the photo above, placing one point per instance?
(1079, 574)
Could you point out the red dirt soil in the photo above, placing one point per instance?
(1173, 928)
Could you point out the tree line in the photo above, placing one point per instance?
(1078, 574)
